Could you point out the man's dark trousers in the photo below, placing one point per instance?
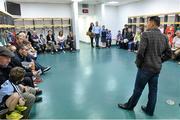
(145, 77)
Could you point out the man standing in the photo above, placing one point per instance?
(153, 51)
(97, 32)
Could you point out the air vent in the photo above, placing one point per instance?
(85, 6)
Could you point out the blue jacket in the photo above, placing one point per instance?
(109, 36)
(6, 88)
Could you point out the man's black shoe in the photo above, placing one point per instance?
(124, 106)
(38, 92)
(38, 99)
(145, 111)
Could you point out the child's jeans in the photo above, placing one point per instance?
(61, 45)
(131, 45)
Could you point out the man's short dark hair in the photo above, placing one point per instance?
(155, 19)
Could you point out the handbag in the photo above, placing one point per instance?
(88, 33)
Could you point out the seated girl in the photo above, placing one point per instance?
(61, 40)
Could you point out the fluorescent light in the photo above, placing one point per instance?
(113, 2)
(77, 0)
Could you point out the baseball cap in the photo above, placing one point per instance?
(5, 52)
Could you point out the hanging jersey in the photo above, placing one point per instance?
(170, 33)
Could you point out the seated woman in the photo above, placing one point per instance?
(27, 61)
(176, 45)
(119, 38)
(51, 42)
(61, 41)
(35, 41)
(70, 41)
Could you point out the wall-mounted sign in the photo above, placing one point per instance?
(85, 11)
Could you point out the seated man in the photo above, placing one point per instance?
(23, 57)
(28, 81)
(176, 45)
(31, 51)
(70, 41)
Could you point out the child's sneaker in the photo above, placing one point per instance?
(21, 108)
(14, 116)
(37, 80)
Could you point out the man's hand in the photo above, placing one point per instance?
(21, 102)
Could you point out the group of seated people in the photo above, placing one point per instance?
(176, 46)
(20, 74)
(128, 40)
(50, 43)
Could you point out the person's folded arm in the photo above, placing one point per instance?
(141, 50)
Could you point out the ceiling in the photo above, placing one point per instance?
(121, 2)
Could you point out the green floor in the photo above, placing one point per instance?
(90, 83)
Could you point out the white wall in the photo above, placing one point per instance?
(2, 7)
(38, 10)
(75, 20)
(104, 14)
(146, 7)
(35, 10)
(110, 19)
(108, 16)
(85, 20)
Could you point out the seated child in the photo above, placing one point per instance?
(10, 95)
(13, 93)
(42, 43)
(119, 38)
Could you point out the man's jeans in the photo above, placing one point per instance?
(97, 39)
(145, 77)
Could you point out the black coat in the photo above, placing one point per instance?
(129, 36)
(16, 62)
(4, 74)
(48, 38)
